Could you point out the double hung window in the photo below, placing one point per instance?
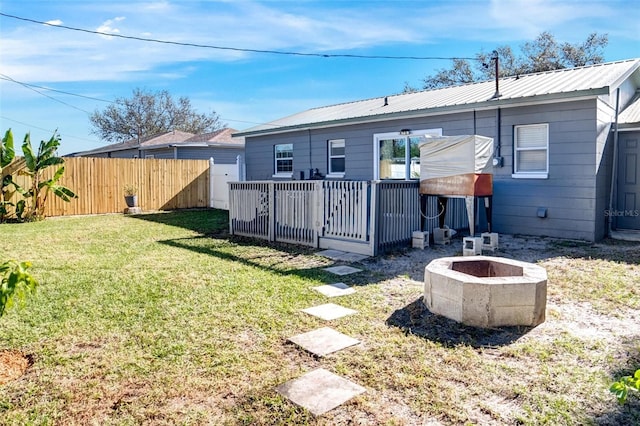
(336, 158)
(283, 156)
(531, 151)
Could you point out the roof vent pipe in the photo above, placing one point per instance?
(496, 62)
(386, 101)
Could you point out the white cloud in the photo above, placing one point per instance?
(54, 22)
(107, 27)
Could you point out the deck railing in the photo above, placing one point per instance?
(358, 216)
(327, 213)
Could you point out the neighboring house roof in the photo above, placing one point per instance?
(176, 138)
(219, 136)
(593, 80)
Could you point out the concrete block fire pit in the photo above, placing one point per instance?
(485, 291)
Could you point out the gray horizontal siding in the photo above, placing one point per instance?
(129, 153)
(162, 153)
(220, 155)
(569, 193)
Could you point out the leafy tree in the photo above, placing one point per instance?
(35, 198)
(150, 113)
(542, 54)
(16, 282)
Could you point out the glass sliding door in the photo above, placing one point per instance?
(413, 171)
(398, 156)
(393, 153)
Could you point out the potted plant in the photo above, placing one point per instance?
(131, 195)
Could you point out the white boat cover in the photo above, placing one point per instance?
(455, 155)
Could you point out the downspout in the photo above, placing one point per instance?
(498, 161)
(310, 163)
(614, 168)
(474, 122)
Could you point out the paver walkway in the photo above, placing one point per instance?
(329, 311)
(334, 290)
(320, 391)
(323, 341)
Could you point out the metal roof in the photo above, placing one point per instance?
(593, 80)
(631, 114)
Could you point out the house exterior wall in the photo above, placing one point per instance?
(161, 153)
(128, 153)
(573, 194)
(569, 192)
(220, 155)
(604, 166)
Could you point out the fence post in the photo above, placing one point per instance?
(211, 191)
(375, 218)
(318, 211)
(241, 171)
(272, 210)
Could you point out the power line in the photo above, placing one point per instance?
(6, 77)
(48, 130)
(235, 49)
(31, 86)
(28, 86)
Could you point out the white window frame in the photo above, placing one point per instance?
(516, 150)
(149, 156)
(330, 143)
(276, 159)
(396, 135)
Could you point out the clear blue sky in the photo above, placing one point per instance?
(250, 88)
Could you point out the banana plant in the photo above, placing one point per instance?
(7, 154)
(36, 196)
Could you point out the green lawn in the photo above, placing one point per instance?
(165, 319)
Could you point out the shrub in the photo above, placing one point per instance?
(16, 283)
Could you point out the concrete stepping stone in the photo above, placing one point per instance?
(342, 270)
(323, 341)
(334, 290)
(319, 391)
(342, 255)
(329, 311)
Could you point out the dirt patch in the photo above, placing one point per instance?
(13, 365)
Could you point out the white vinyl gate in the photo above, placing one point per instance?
(219, 177)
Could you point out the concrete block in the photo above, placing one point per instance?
(419, 235)
(441, 236)
(420, 243)
(471, 246)
(489, 241)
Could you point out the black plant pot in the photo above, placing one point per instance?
(131, 200)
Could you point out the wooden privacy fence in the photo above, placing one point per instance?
(356, 216)
(99, 183)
